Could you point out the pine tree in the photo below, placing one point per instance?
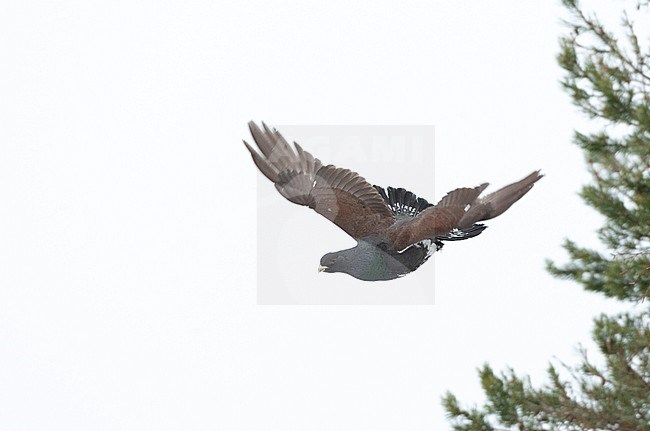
(608, 78)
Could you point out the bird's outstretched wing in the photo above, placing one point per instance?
(340, 195)
(459, 210)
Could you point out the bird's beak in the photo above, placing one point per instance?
(321, 268)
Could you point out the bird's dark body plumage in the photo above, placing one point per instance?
(395, 230)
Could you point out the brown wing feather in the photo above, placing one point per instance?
(340, 195)
(430, 223)
(498, 202)
(459, 209)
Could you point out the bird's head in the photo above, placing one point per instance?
(333, 262)
(365, 262)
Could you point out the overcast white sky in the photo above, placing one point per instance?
(128, 229)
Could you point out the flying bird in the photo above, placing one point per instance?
(395, 230)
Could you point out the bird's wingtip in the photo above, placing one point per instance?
(253, 127)
(252, 151)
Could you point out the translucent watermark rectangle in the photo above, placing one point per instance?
(292, 238)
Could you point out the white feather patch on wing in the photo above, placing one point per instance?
(427, 244)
